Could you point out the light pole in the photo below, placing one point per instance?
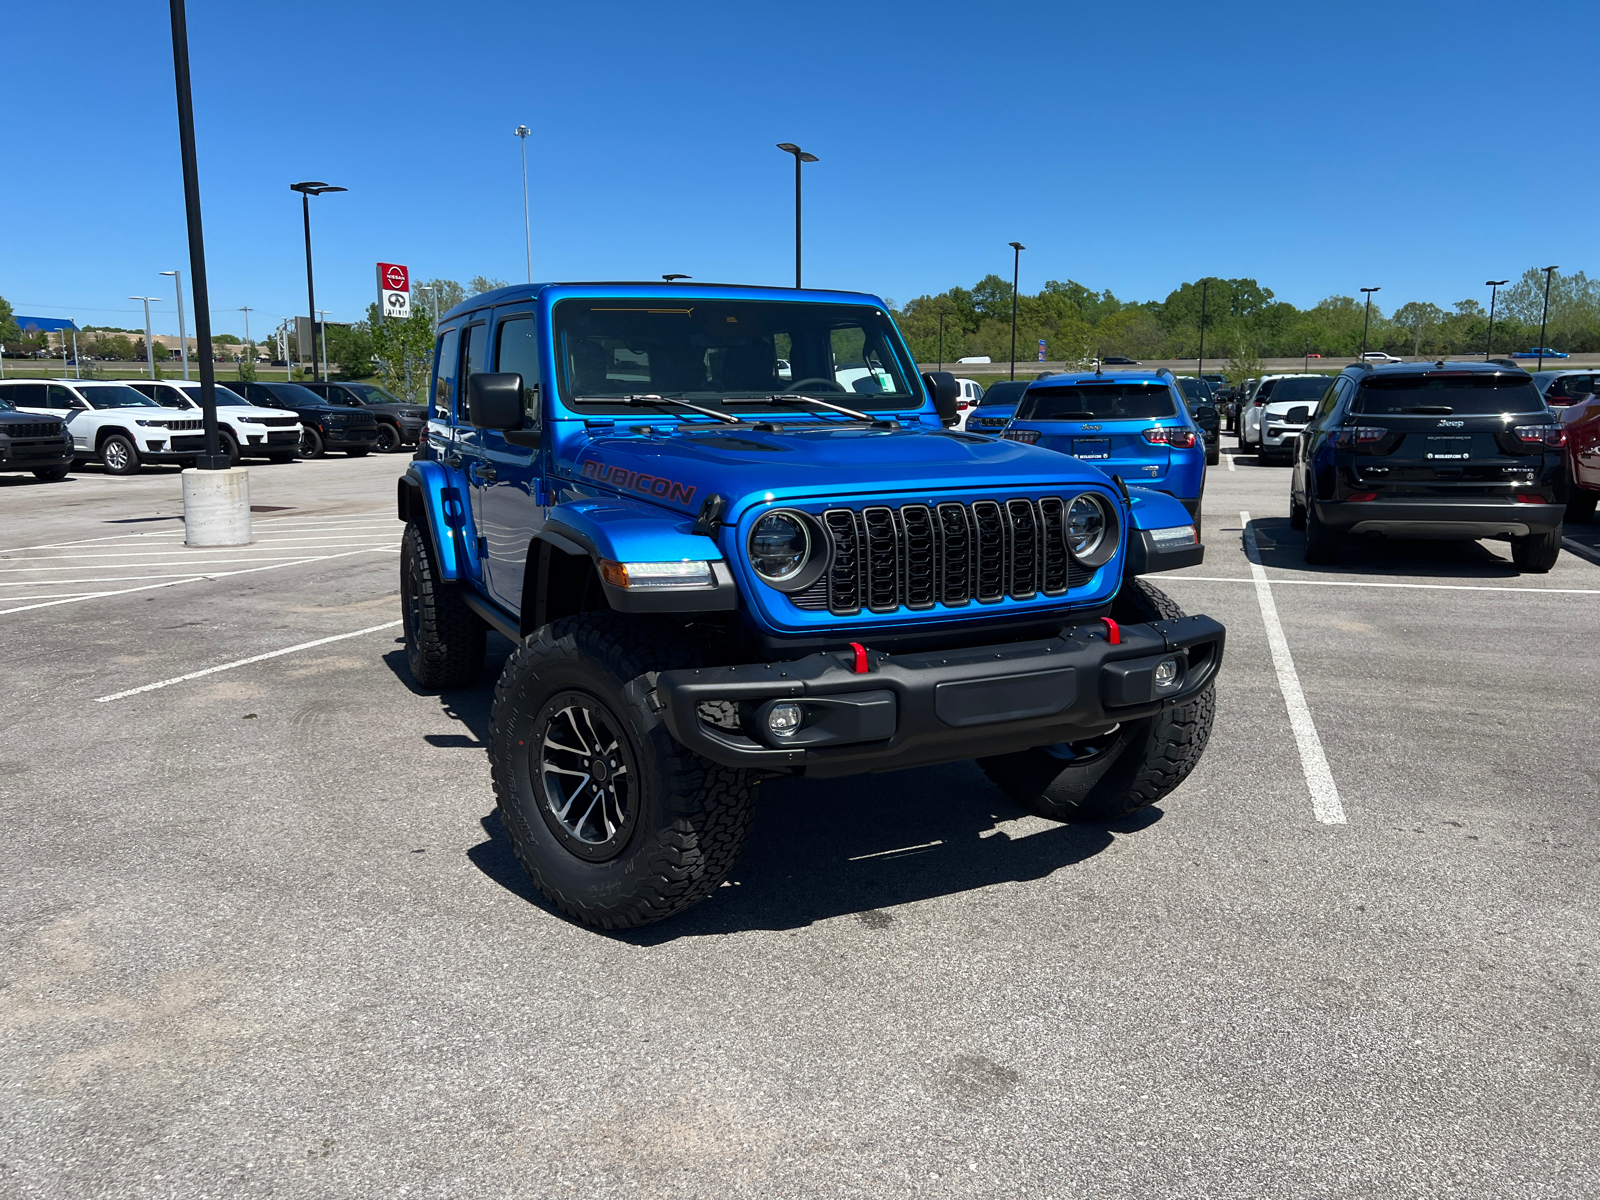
(1200, 367)
(249, 346)
(1016, 268)
(1367, 322)
(1306, 366)
(183, 337)
(1494, 286)
(522, 132)
(800, 156)
(941, 339)
(148, 352)
(307, 190)
(1545, 315)
(322, 332)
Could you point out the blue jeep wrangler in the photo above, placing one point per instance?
(733, 537)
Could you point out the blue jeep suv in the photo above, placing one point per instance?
(1132, 425)
(732, 535)
(996, 406)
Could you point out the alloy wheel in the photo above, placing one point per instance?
(583, 776)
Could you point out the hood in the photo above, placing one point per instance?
(1279, 409)
(838, 462)
(24, 418)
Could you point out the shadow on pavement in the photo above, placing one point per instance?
(468, 706)
(1281, 546)
(864, 845)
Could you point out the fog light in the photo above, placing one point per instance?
(784, 720)
(1168, 674)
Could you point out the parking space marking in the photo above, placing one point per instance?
(1231, 467)
(1363, 583)
(245, 662)
(1582, 551)
(1313, 762)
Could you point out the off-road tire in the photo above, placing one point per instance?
(311, 443)
(51, 474)
(119, 456)
(1322, 543)
(1133, 768)
(357, 451)
(1581, 506)
(1536, 553)
(389, 439)
(690, 815)
(444, 638)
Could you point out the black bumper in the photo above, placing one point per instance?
(338, 439)
(38, 455)
(1440, 518)
(912, 710)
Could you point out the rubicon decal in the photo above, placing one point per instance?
(638, 481)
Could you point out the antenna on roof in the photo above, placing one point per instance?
(1099, 366)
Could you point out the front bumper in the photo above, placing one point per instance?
(335, 439)
(1423, 517)
(910, 710)
(35, 454)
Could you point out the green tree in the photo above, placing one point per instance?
(10, 331)
(480, 284)
(404, 350)
(351, 346)
(1418, 318)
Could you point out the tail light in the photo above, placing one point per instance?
(1549, 435)
(1029, 436)
(1360, 435)
(1179, 439)
(1530, 498)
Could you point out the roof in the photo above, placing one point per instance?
(1425, 368)
(1128, 376)
(43, 324)
(526, 291)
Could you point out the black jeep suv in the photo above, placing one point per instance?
(399, 423)
(325, 424)
(1431, 450)
(29, 442)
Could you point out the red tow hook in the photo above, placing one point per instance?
(861, 658)
(1113, 631)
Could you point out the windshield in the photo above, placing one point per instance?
(1300, 387)
(117, 395)
(717, 352)
(1008, 392)
(6, 405)
(370, 394)
(1195, 391)
(292, 394)
(338, 399)
(1090, 401)
(1445, 393)
(191, 396)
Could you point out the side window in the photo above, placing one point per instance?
(1330, 398)
(26, 395)
(59, 397)
(518, 350)
(444, 388)
(474, 355)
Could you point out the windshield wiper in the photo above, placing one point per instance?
(635, 401)
(778, 397)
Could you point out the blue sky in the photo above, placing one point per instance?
(1317, 147)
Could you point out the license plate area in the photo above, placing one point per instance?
(1091, 449)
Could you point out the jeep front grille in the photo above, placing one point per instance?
(31, 429)
(948, 555)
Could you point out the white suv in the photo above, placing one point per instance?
(1265, 393)
(245, 429)
(110, 422)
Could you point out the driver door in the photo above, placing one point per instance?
(508, 498)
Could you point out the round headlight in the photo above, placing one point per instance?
(780, 545)
(1086, 526)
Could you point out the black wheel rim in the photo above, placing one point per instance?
(583, 776)
(387, 439)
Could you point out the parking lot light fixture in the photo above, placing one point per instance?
(1016, 270)
(183, 337)
(674, 278)
(322, 332)
(522, 132)
(800, 156)
(308, 189)
(1366, 323)
(1494, 286)
(148, 350)
(1200, 365)
(1544, 316)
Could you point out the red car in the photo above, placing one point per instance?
(1580, 421)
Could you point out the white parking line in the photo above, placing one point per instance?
(1231, 467)
(1361, 583)
(1313, 762)
(245, 662)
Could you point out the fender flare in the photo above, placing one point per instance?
(722, 595)
(432, 496)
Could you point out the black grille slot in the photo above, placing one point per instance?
(949, 554)
(188, 443)
(31, 429)
(844, 576)
(279, 422)
(883, 559)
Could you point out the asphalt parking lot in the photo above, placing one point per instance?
(264, 935)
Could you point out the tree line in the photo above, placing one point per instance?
(1243, 322)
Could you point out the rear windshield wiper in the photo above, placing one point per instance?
(636, 401)
(1443, 410)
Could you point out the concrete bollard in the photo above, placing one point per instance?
(216, 507)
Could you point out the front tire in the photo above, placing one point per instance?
(444, 638)
(119, 456)
(1536, 553)
(311, 444)
(1130, 768)
(637, 832)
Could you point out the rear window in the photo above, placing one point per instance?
(1008, 392)
(1097, 401)
(1300, 389)
(1443, 394)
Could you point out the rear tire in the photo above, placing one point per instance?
(119, 456)
(1214, 454)
(1322, 543)
(1297, 514)
(1581, 506)
(1536, 553)
(388, 439)
(444, 638)
(1123, 771)
(667, 825)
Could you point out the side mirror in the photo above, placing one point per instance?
(946, 392)
(1206, 414)
(494, 400)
